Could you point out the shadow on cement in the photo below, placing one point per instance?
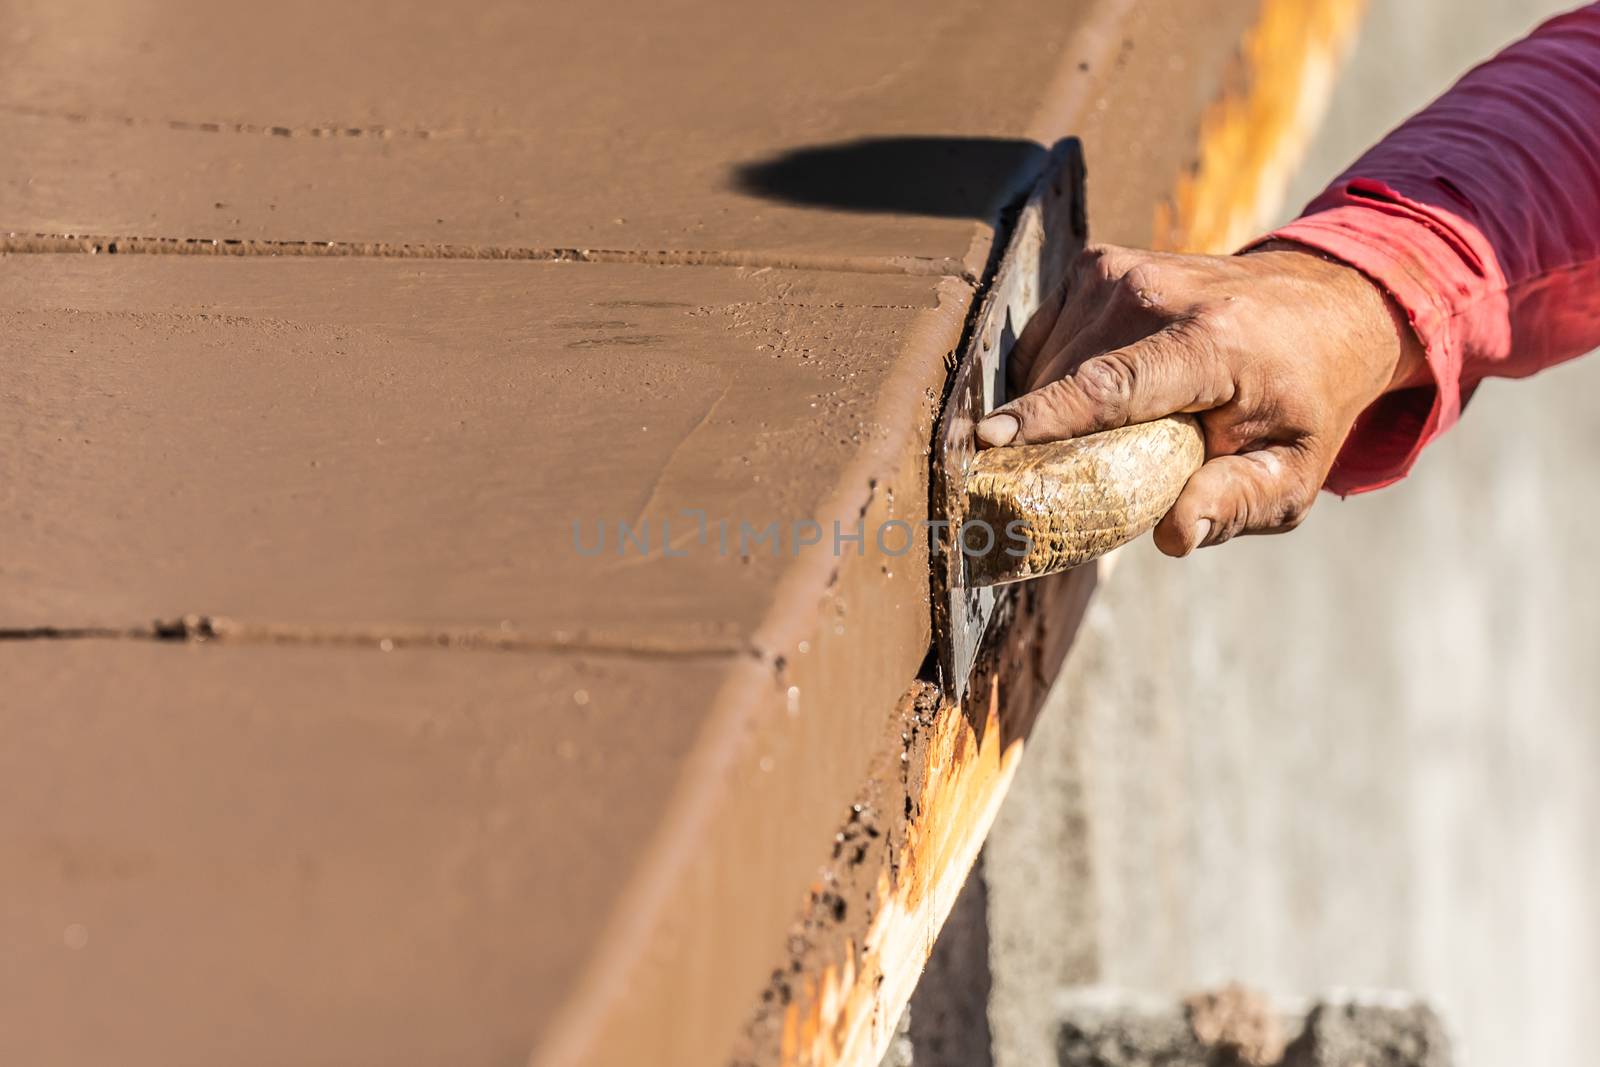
(947, 177)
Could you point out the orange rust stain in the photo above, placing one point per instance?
(963, 778)
(1253, 135)
(845, 1014)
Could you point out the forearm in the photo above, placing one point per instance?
(1480, 217)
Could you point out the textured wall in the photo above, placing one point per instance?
(1360, 755)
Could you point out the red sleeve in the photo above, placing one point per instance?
(1481, 217)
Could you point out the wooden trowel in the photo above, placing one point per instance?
(1010, 514)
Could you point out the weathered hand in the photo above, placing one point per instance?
(1277, 351)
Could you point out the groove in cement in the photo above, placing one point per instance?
(93, 244)
(199, 629)
(79, 118)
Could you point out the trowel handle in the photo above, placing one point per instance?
(1055, 506)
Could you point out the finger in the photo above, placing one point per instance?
(1156, 376)
(1025, 352)
(1079, 327)
(1103, 329)
(1077, 304)
(1115, 303)
(1259, 492)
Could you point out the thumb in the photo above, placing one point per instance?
(1266, 491)
(1159, 375)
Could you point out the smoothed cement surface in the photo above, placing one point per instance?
(325, 458)
(330, 454)
(215, 854)
(622, 127)
(436, 446)
(613, 125)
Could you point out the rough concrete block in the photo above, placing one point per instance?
(1111, 1028)
(1237, 1027)
(1398, 1032)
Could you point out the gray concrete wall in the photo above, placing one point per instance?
(1360, 755)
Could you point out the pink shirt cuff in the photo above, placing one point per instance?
(1395, 245)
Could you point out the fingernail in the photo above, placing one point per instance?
(998, 430)
(1202, 530)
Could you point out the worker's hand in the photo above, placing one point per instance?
(1277, 351)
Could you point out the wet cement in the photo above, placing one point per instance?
(614, 125)
(366, 456)
(219, 854)
(449, 446)
(336, 454)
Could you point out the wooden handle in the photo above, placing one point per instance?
(1054, 506)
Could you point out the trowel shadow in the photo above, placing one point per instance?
(944, 176)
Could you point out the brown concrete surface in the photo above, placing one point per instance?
(611, 125)
(353, 453)
(261, 839)
(234, 854)
(334, 452)
(412, 443)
